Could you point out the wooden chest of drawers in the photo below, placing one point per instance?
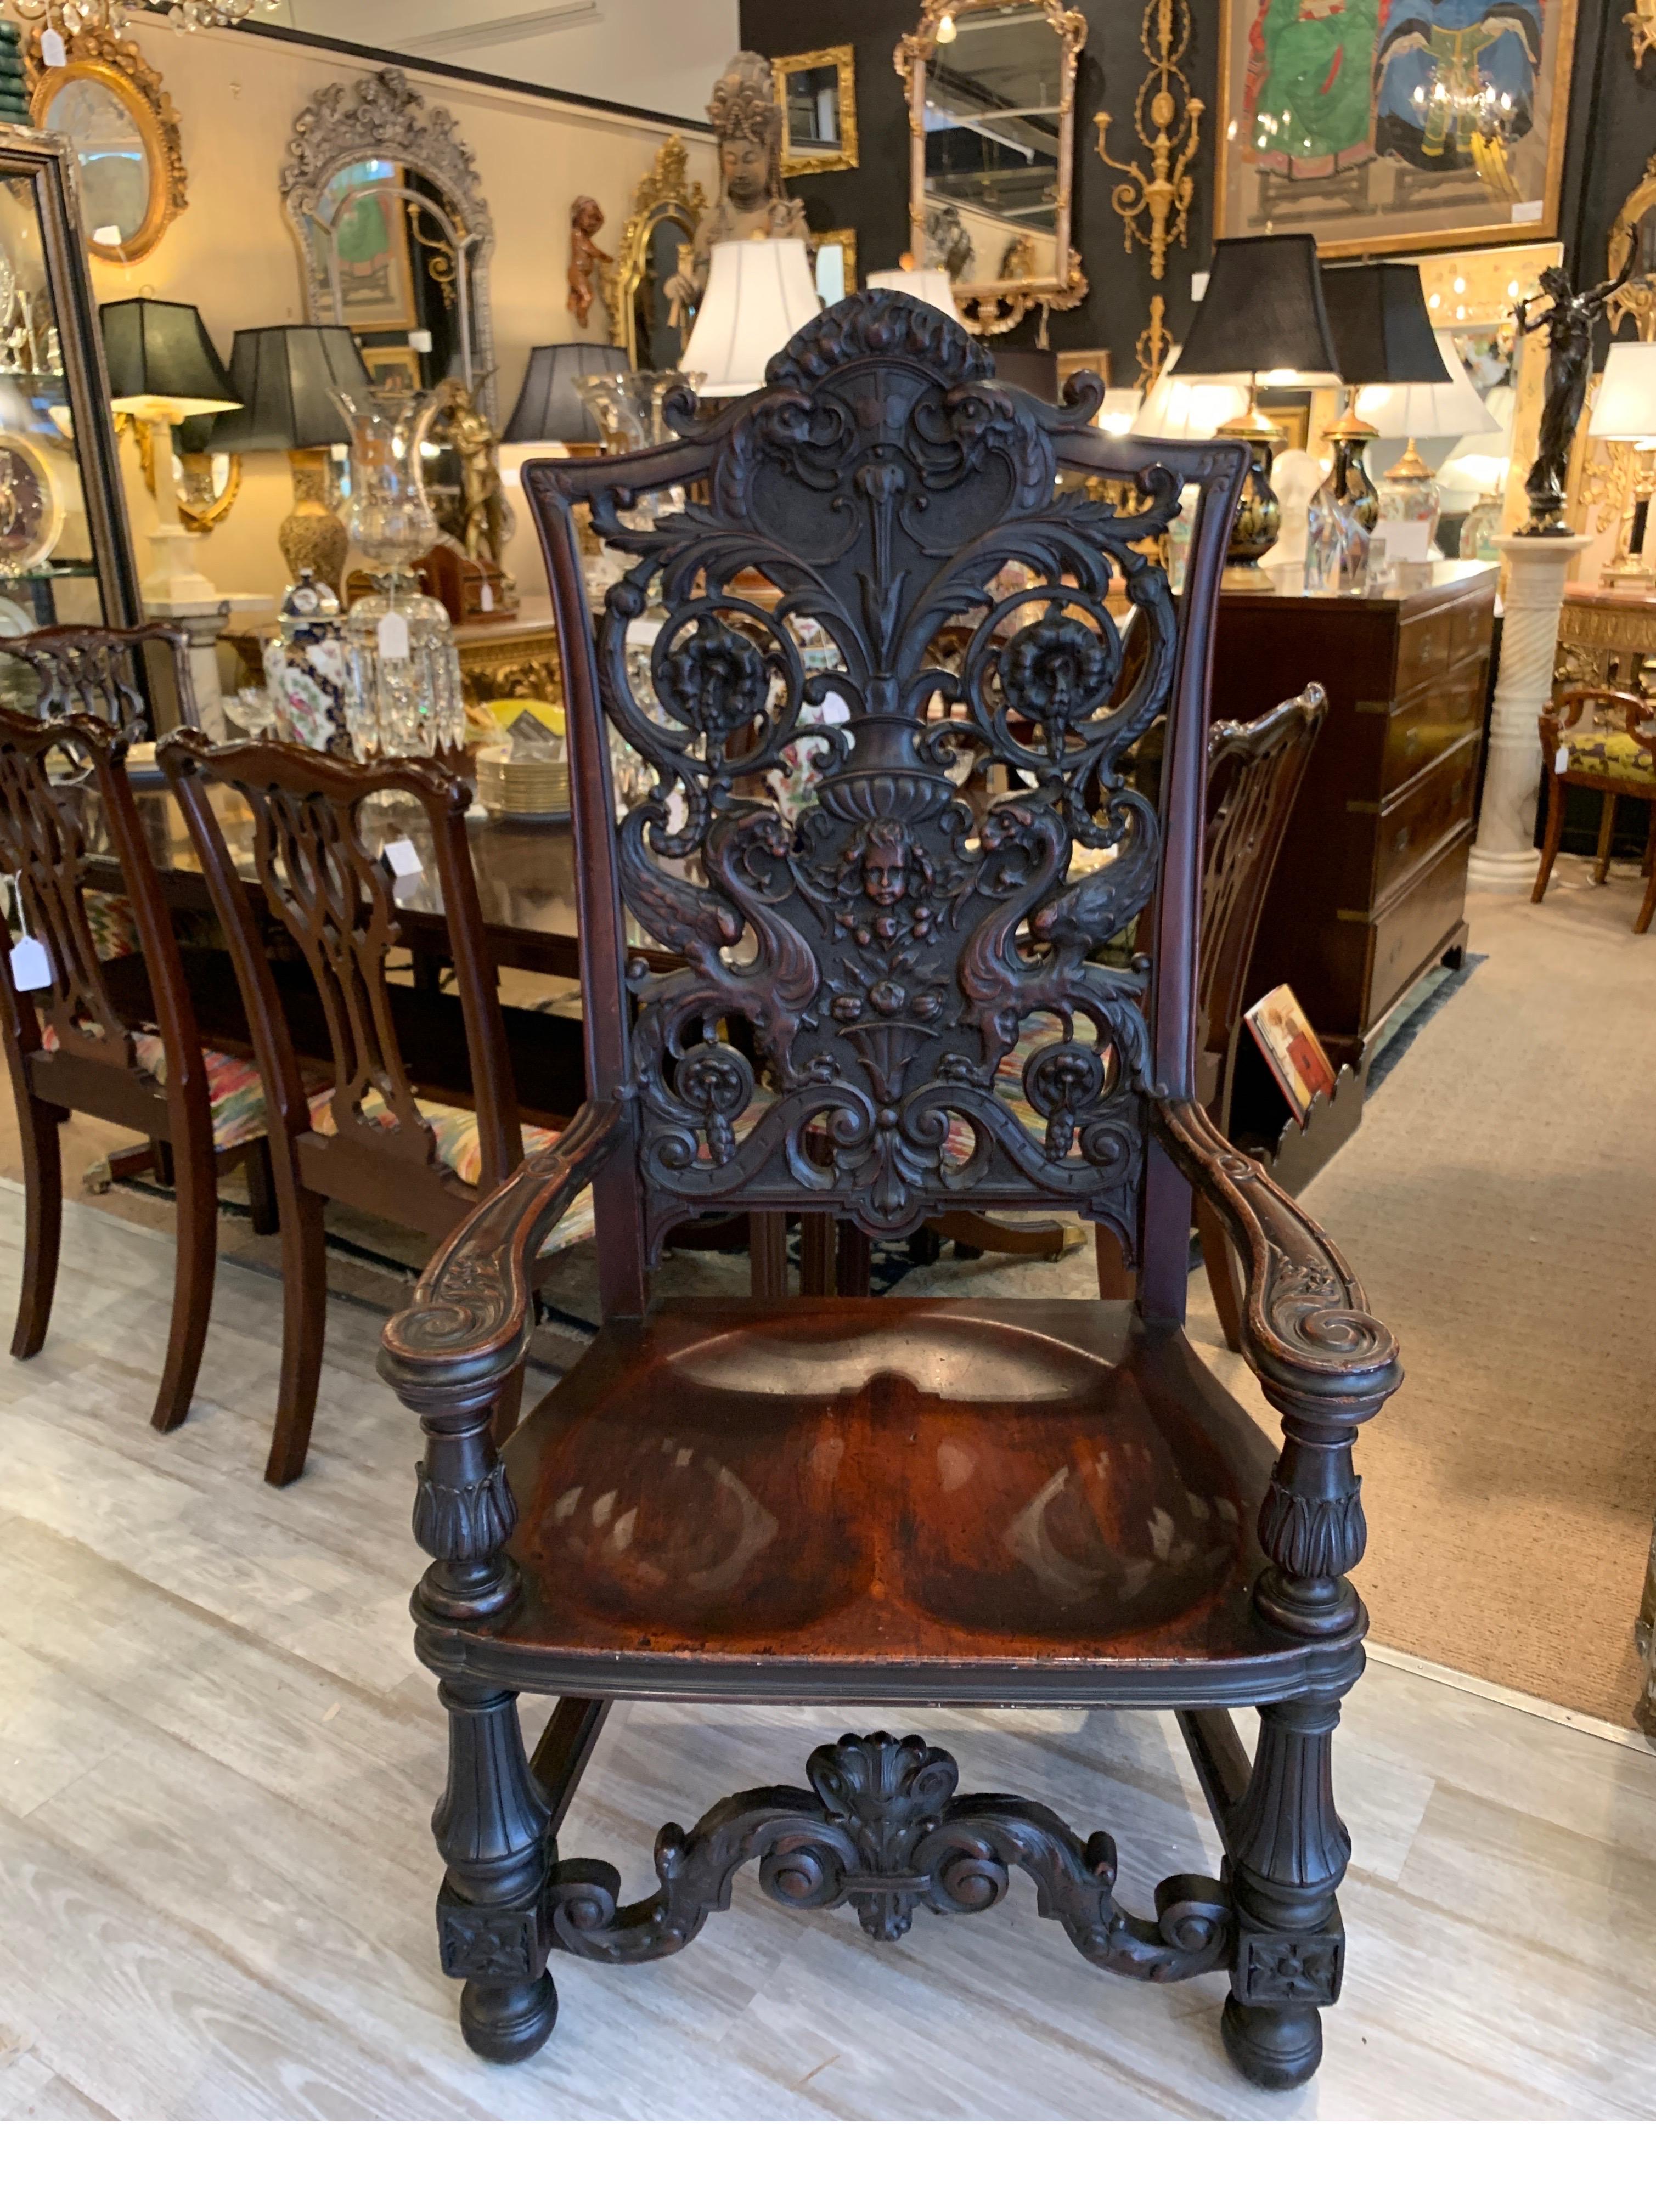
(1370, 888)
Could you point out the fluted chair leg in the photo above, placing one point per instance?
(493, 1828)
(1289, 1849)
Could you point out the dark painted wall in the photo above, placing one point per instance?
(1612, 133)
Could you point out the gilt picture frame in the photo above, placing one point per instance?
(1393, 131)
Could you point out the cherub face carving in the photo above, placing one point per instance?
(887, 852)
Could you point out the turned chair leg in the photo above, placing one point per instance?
(261, 1190)
(43, 1222)
(1552, 839)
(196, 1189)
(1287, 1850)
(494, 1830)
(1216, 1258)
(304, 1325)
(1606, 831)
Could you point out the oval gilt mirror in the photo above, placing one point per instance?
(114, 110)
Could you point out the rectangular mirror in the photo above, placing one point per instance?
(816, 94)
(991, 104)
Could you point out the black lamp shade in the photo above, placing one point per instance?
(1382, 332)
(548, 406)
(287, 374)
(159, 349)
(1263, 309)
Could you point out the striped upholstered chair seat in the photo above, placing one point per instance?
(234, 1089)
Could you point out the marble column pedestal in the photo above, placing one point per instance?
(1503, 857)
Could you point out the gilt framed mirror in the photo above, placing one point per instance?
(991, 93)
(816, 95)
(123, 130)
(661, 226)
(1636, 226)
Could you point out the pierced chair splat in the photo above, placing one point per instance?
(112, 1030)
(342, 1061)
(891, 1501)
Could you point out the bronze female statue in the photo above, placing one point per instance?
(1568, 323)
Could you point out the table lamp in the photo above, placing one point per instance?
(758, 293)
(1178, 406)
(1262, 318)
(931, 285)
(550, 408)
(1382, 336)
(1625, 412)
(288, 375)
(1446, 409)
(164, 368)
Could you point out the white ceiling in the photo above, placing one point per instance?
(663, 54)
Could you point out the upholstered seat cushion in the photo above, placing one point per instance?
(1613, 752)
(234, 1089)
(909, 1481)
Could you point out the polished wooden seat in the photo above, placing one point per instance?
(1616, 763)
(864, 1501)
(911, 1480)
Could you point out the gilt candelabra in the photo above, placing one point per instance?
(1155, 203)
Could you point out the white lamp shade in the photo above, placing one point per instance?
(1429, 410)
(1626, 405)
(1118, 410)
(1188, 406)
(931, 285)
(758, 293)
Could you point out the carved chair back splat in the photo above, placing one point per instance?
(89, 1044)
(84, 669)
(320, 874)
(822, 1499)
(1615, 763)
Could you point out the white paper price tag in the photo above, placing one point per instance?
(403, 859)
(1561, 760)
(393, 637)
(30, 969)
(53, 52)
(1528, 210)
(486, 598)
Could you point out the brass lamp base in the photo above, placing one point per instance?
(1259, 516)
(314, 536)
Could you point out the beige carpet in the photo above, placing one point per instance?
(1499, 1205)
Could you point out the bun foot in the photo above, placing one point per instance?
(1274, 2046)
(507, 2024)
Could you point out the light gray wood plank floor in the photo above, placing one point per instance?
(217, 1763)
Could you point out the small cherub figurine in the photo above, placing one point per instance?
(585, 255)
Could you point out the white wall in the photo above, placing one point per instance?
(232, 254)
(664, 54)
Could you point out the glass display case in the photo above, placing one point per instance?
(65, 553)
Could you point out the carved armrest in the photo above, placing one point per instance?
(1323, 1361)
(449, 1354)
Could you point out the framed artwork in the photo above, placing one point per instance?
(1092, 357)
(1278, 1026)
(1292, 418)
(1389, 129)
(393, 367)
(376, 275)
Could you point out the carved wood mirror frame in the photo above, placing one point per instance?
(663, 194)
(991, 308)
(121, 68)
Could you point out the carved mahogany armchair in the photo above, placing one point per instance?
(76, 1045)
(891, 1501)
(379, 1111)
(1617, 763)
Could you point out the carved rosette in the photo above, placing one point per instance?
(889, 955)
